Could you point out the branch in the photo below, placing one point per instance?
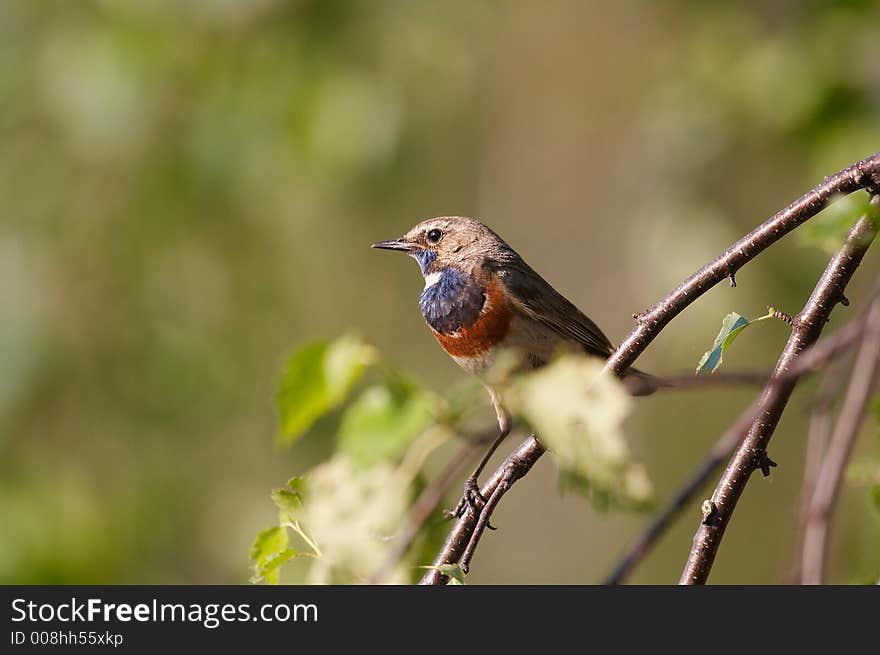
(752, 453)
(494, 489)
(650, 384)
(427, 501)
(827, 489)
(829, 349)
(517, 464)
(818, 433)
(861, 175)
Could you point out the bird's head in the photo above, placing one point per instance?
(448, 241)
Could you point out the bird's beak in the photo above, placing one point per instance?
(395, 244)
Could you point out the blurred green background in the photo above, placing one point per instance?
(189, 190)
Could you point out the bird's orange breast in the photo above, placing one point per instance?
(488, 330)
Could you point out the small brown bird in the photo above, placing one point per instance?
(481, 297)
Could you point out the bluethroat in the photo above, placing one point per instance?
(480, 297)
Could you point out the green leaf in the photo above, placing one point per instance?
(828, 230)
(352, 513)
(289, 500)
(383, 421)
(731, 326)
(316, 379)
(270, 571)
(289, 504)
(875, 496)
(577, 413)
(267, 542)
(453, 571)
(269, 551)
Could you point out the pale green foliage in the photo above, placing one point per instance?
(318, 378)
(828, 230)
(578, 413)
(344, 515)
(731, 326)
(289, 500)
(382, 421)
(269, 552)
(452, 571)
(345, 511)
(352, 512)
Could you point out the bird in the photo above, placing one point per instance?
(481, 298)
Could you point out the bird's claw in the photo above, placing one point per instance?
(472, 498)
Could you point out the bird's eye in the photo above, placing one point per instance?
(434, 235)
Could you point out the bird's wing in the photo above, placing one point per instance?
(535, 298)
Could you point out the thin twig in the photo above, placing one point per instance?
(861, 175)
(427, 501)
(418, 516)
(818, 434)
(850, 418)
(431, 495)
(642, 386)
(752, 452)
(808, 361)
(517, 464)
(483, 521)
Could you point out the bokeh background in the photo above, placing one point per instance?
(189, 190)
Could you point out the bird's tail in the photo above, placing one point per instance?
(639, 383)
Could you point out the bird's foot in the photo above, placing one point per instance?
(472, 499)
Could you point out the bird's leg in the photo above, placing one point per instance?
(472, 497)
(482, 524)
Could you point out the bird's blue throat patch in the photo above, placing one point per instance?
(425, 258)
(454, 301)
